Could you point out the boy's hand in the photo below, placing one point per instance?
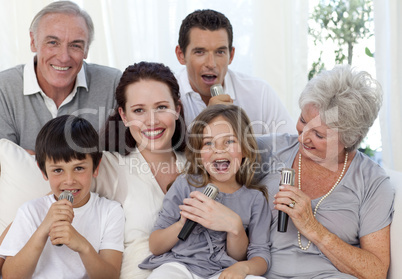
(62, 232)
(61, 210)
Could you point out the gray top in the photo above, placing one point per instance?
(361, 204)
(204, 251)
(22, 116)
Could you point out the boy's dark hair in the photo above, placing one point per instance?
(206, 20)
(65, 138)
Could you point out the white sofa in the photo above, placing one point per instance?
(19, 173)
(395, 270)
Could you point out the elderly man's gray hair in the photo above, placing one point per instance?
(63, 7)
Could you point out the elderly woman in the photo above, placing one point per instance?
(340, 208)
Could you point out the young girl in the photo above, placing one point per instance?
(232, 234)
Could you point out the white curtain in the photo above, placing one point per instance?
(279, 52)
(15, 19)
(270, 36)
(388, 56)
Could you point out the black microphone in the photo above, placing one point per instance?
(216, 90)
(287, 178)
(66, 194)
(210, 191)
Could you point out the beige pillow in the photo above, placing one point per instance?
(20, 180)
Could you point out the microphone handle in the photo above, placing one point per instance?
(287, 178)
(210, 191)
(187, 229)
(282, 221)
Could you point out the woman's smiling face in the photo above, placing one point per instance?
(317, 140)
(150, 114)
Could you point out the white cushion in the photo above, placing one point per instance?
(395, 270)
(20, 180)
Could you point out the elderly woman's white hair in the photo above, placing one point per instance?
(347, 100)
(64, 7)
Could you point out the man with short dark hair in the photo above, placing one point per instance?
(205, 48)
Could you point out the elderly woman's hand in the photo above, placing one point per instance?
(301, 212)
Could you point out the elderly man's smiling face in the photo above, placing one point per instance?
(61, 45)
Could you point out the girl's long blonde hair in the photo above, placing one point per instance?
(242, 129)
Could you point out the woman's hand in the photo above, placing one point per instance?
(301, 213)
(370, 260)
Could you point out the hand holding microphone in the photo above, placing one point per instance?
(68, 196)
(210, 191)
(287, 178)
(218, 96)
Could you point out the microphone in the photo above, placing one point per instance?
(216, 90)
(66, 194)
(210, 191)
(287, 178)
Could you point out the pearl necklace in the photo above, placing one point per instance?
(321, 200)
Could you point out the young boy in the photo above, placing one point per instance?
(52, 238)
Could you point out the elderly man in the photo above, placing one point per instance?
(205, 48)
(56, 81)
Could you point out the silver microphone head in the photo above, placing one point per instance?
(67, 195)
(287, 177)
(216, 89)
(211, 191)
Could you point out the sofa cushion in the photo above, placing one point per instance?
(395, 269)
(20, 180)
